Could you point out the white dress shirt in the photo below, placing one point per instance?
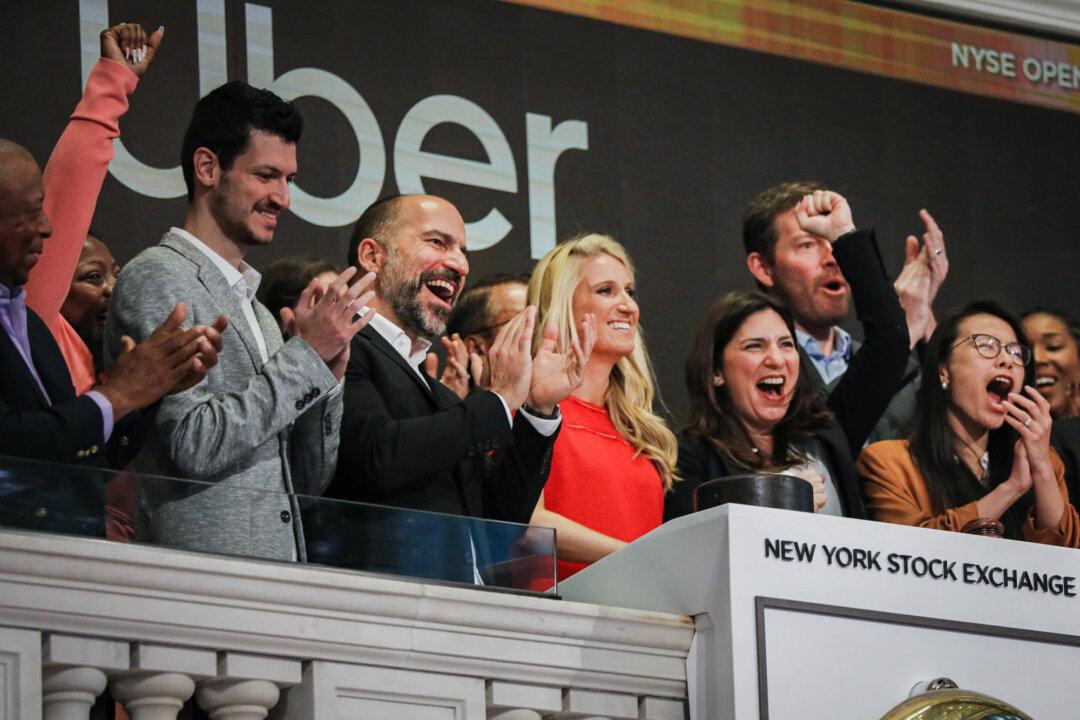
(243, 282)
(415, 354)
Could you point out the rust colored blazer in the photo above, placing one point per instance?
(895, 491)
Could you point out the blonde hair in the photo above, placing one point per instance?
(632, 386)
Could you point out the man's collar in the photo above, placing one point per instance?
(8, 293)
(400, 340)
(841, 343)
(248, 274)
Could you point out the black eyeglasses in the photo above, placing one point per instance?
(990, 347)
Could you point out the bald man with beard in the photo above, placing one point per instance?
(409, 441)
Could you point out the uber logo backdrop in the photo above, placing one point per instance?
(539, 125)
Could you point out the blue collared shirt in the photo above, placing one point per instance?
(836, 364)
(13, 321)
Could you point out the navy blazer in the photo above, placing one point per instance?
(62, 428)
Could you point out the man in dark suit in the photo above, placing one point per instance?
(805, 271)
(40, 416)
(410, 442)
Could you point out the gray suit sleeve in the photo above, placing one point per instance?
(313, 445)
(209, 429)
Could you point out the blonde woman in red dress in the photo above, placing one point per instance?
(615, 457)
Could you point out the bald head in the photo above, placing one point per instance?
(15, 162)
(10, 147)
(23, 225)
(416, 246)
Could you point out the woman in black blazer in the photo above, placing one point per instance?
(753, 411)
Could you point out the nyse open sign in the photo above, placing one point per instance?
(546, 139)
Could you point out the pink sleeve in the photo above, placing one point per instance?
(73, 179)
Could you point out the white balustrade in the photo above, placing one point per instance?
(74, 673)
(252, 640)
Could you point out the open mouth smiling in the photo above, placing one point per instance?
(772, 387)
(443, 287)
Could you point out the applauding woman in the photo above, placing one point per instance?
(982, 444)
(614, 457)
(752, 410)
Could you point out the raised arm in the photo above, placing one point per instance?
(873, 376)
(80, 160)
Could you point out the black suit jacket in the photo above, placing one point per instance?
(877, 370)
(1065, 436)
(410, 442)
(62, 428)
(699, 463)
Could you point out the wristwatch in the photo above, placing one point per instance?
(555, 414)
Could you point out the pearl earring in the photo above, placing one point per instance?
(944, 383)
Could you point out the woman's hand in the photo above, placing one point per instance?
(994, 503)
(556, 375)
(1019, 480)
(1030, 416)
(818, 482)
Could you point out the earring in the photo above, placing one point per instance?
(944, 383)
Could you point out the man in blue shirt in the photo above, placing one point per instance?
(800, 269)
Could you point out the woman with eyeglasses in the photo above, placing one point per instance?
(981, 449)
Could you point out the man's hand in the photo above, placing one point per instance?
(917, 284)
(328, 320)
(555, 375)
(509, 360)
(913, 288)
(936, 257)
(129, 45)
(456, 374)
(159, 365)
(208, 358)
(825, 214)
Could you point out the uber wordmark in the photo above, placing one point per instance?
(943, 569)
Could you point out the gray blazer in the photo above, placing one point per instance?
(255, 433)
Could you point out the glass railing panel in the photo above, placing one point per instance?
(229, 519)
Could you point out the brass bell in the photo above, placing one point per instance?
(941, 699)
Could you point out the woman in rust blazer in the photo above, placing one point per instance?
(982, 444)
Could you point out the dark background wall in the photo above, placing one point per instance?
(681, 135)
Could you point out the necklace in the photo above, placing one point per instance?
(982, 459)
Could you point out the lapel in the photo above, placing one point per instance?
(48, 361)
(215, 284)
(380, 343)
(14, 364)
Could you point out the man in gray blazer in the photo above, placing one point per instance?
(265, 423)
